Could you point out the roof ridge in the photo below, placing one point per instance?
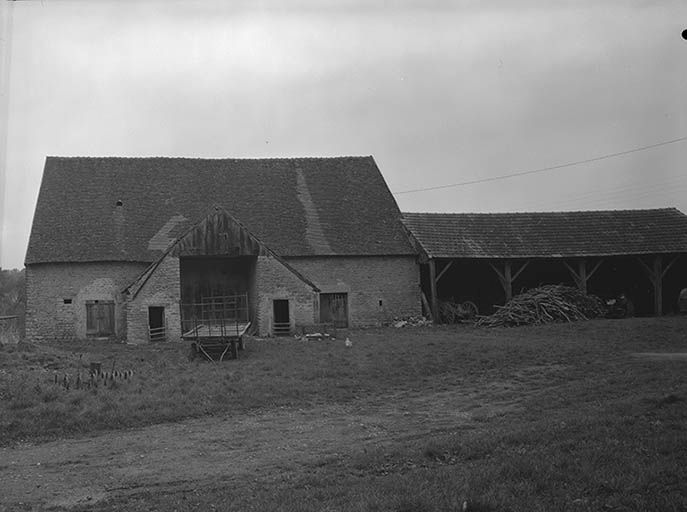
(218, 159)
(666, 208)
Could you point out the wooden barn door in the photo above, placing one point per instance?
(334, 309)
(100, 318)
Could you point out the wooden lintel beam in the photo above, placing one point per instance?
(443, 270)
(523, 267)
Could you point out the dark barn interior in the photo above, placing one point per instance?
(475, 280)
(218, 287)
(213, 276)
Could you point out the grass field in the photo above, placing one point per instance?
(559, 417)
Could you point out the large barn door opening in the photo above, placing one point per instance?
(334, 309)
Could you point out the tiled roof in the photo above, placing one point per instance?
(131, 209)
(549, 234)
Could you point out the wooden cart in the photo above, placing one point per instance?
(216, 326)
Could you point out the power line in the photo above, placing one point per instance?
(543, 169)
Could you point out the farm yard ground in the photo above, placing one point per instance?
(556, 417)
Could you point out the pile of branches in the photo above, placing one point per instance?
(545, 304)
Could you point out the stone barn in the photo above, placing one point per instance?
(486, 258)
(131, 248)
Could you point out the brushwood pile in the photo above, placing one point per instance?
(546, 304)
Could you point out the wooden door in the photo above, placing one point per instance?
(334, 309)
(100, 318)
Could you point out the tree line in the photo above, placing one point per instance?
(13, 294)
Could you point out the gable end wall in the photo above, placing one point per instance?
(274, 281)
(163, 289)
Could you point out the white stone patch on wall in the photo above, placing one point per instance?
(314, 234)
(163, 239)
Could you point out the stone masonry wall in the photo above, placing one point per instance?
(162, 289)
(379, 287)
(48, 285)
(274, 281)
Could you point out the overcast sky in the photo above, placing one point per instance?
(438, 92)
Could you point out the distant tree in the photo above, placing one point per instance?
(13, 294)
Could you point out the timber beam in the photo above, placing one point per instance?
(443, 270)
(581, 276)
(507, 276)
(425, 306)
(656, 273)
(434, 299)
(433, 282)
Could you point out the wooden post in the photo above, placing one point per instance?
(508, 281)
(433, 290)
(656, 273)
(582, 275)
(507, 277)
(658, 285)
(426, 306)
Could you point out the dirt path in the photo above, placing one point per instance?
(78, 471)
(671, 356)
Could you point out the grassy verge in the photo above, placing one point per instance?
(596, 428)
(281, 372)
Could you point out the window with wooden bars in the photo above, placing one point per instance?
(100, 318)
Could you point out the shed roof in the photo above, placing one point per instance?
(132, 209)
(549, 234)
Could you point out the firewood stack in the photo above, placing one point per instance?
(545, 304)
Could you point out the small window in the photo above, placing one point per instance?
(67, 301)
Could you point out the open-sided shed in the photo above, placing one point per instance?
(487, 257)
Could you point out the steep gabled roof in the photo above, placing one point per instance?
(228, 225)
(549, 234)
(297, 206)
